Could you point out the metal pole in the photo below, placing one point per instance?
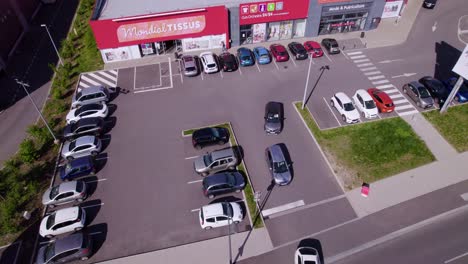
(230, 249)
(37, 109)
(307, 84)
(452, 94)
(53, 44)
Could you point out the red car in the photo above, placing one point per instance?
(279, 52)
(313, 48)
(382, 100)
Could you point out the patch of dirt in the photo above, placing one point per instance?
(348, 178)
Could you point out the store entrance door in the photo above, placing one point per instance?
(170, 46)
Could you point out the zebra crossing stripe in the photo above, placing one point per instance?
(392, 91)
(88, 80)
(385, 86)
(359, 61)
(369, 69)
(113, 71)
(380, 82)
(400, 101)
(372, 73)
(364, 64)
(401, 107)
(108, 76)
(357, 57)
(408, 113)
(398, 95)
(84, 85)
(376, 77)
(105, 81)
(354, 53)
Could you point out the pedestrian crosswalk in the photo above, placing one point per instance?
(402, 105)
(104, 78)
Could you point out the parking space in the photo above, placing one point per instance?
(9, 253)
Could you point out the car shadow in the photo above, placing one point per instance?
(239, 151)
(105, 141)
(109, 124)
(91, 185)
(112, 109)
(100, 161)
(314, 243)
(229, 199)
(98, 233)
(92, 207)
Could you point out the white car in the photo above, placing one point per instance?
(220, 214)
(63, 221)
(209, 62)
(365, 104)
(345, 107)
(80, 147)
(89, 110)
(306, 255)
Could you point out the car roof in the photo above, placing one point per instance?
(206, 131)
(383, 95)
(91, 107)
(81, 161)
(67, 186)
(277, 154)
(90, 90)
(364, 94)
(89, 121)
(314, 44)
(69, 242)
(217, 178)
(212, 210)
(226, 55)
(417, 84)
(189, 61)
(84, 140)
(261, 49)
(278, 47)
(66, 214)
(243, 51)
(222, 153)
(343, 97)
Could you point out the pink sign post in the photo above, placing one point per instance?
(365, 188)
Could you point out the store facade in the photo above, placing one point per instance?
(135, 37)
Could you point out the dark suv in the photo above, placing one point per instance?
(221, 183)
(77, 168)
(209, 136)
(274, 117)
(85, 126)
(436, 88)
(299, 52)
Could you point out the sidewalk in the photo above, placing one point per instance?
(244, 245)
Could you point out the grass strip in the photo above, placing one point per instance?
(453, 125)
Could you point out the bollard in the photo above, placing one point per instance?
(363, 34)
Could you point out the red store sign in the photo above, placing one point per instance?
(271, 11)
(126, 31)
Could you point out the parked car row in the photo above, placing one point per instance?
(85, 123)
(211, 63)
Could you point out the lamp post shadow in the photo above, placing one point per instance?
(323, 68)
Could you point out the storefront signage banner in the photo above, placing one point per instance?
(344, 8)
(330, 1)
(392, 9)
(162, 28)
(461, 67)
(270, 11)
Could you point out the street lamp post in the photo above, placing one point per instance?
(53, 43)
(24, 85)
(229, 237)
(323, 68)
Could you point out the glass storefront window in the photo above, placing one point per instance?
(342, 23)
(273, 31)
(259, 32)
(299, 28)
(285, 30)
(147, 49)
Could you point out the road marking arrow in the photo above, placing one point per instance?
(434, 27)
(404, 75)
(389, 61)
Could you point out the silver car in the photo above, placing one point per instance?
(278, 166)
(189, 65)
(80, 147)
(90, 95)
(76, 246)
(66, 192)
(419, 94)
(216, 161)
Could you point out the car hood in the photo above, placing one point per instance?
(427, 100)
(43, 228)
(71, 114)
(273, 126)
(199, 164)
(354, 114)
(66, 147)
(40, 255)
(282, 178)
(236, 212)
(45, 197)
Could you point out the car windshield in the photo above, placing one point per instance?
(334, 45)
(369, 104)
(190, 69)
(244, 58)
(281, 53)
(280, 167)
(423, 92)
(211, 65)
(54, 192)
(207, 159)
(227, 209)
(310, 262)
(49, 251)
(264, 56)
(438, 86)
(348, 107)
(273, 117)
(72, 145)
(50, 221)
(215, 132)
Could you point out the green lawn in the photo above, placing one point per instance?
(453, 125)
(370, 151)
(248, 191)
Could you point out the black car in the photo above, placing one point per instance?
(221, 183)
(209, 136)
(85, 126)
(228, 62)
(274, 117)
(429, 4)
(436, 88)
(299, 52)
(331, 45)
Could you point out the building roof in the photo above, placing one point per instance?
(124, 8)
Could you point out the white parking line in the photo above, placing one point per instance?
(104, 179)
(364, 64)
(357, 57)
(354, 53)
(327, 56)
(93, 205)
(376, 77)
(190, 182)
(291, 58)
(329, 107)
(134, 78)
(344, 54)
(369, 69)
(240, 70)
(372, 73)
(380, 82)
(282, 208)
(360, 61)
(258, 67)
(401, 107)
(150, 90)
(274, 61)
(455, 258)
(195, 210)
(221, 72)
(193, 157)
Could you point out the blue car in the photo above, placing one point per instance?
(262, 55)
(245, 57)
(462, 94)
(79, 167)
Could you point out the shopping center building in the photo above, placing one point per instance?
(134, 29)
